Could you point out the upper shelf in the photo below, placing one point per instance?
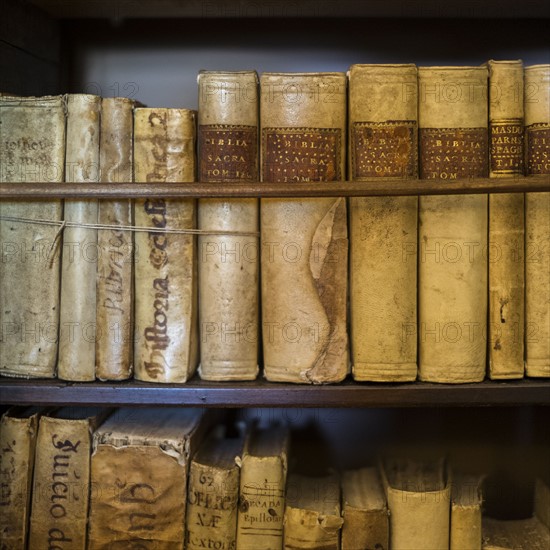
(118, 9)
(371, 187)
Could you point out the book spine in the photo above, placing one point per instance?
(304, 241)
(166, 343)
(453, 229)
(77, 330)
(211, 507)
(537, 222)
(383, 230)
(17, 446)
(506, 222)
(228, 265)
(61, 484)
(32, 148)
(114, 271)
(365, 529)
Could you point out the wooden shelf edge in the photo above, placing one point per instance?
(265, 394)
(370, 187)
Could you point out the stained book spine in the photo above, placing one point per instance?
(114, 271)
(77, 330)
(383, 230)
(537, 222)
(32, 148)
(506, 222)
(229, 264)
(166, 346)
(304, 241)
(453, 229)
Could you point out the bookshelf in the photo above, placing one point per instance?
(130, 48)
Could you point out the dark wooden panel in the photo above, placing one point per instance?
(265, 394)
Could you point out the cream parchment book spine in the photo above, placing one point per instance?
(304, 241)
(537, 222)
(229, 265)
(466, 508)
(32, 148)
(506, 222)
(113, 350)
(383, 138)
(77, 323)
(166, 342)
(452, 273)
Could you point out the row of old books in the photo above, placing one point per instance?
(443, 288)
(77, 478)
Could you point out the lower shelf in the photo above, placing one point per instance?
(268, 394)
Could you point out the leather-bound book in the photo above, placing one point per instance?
(466, 502)
(32, 149)
(304, 241)
(166, 343)
(115, 294)
(506, 222)
(383, 106)
(229, 264)
(452, 296)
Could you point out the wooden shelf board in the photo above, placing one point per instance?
(265, 394)
(370, 187)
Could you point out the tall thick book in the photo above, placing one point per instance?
(61, 483)
(313, 512)
(304, 241)
(165, 270)
(114, 338)
(262, 489)
(453, 229)
(419, 495)
(383, 106)
(466, 501)
(213, 494)
(229, 264)
(139, 471)
(77, 323)
(32, 138)
(537, 223)
(18, 430)
(506, 222)
(365, 511)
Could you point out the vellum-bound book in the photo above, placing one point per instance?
(262, 489)
(32, 148)
(365, 511)
(229, 264)
(312, 514)
(537, 222)
(77, 323)
(114, 339)
(453, 228)
(466, 501)
(304, 241)
(61, 484)
(166, 346)
(18, 430)
(506, 222)
(383, 104)
(419, 495)
(139, 469)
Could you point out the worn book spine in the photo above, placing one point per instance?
(466, 502)
(113, 349)
(61, 483)
(506, 222)
(537, 222)
(32, 148)
(383, 137)
(229, 264)
(304, 241)
(77, 324)
(453, 228)
(166, 343)
(17, 446)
